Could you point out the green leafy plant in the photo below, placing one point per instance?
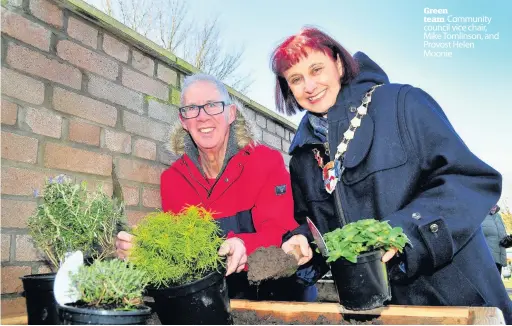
(112, 283)
(363, 236)
(175, 249)
(70, 219)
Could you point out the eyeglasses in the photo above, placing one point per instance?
(192, 111)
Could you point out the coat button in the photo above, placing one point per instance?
(226, 180)
(353, 109)
(434, 227)
(416, 216)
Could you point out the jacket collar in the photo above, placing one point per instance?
(340, 114)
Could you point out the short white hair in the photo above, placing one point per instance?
(200, 77)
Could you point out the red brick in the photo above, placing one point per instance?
(83, 32)
(83, 132)
(6, 246)
(17, 181)
(115, 93)
(87, 59)
(47, 12)
(162, 112)
(137, 171)
(67, 158)
(145, 84)
(114, 48)
(144, 127)
(143, 63)
(84, 107)
(167, 74)
(11, 282)
(151, 198)
(145, 149)
(22, 87)
(44, 122)
(15, 213)
(117, 141)
(26, 250)
(13, 307)
(24, 30)
(95, 185)
(19, 148)
(35, 63)
(9, 112)
(131, 195)
(134, 217)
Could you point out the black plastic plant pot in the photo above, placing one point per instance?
(202, 302)
(363, 285)
(80, 316)
(40, 301)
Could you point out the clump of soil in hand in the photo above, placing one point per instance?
(250, 317)
(270, 263)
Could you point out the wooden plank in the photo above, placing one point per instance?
(486, 316)
(15, 320)
(392, 314)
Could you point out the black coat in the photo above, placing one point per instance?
(406, 164)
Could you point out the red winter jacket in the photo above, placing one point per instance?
(251, 199)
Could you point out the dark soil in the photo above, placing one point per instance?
(270, 263)
(249, 317)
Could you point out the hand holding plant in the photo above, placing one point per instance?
(364, 236)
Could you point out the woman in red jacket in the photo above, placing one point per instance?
(223, 169)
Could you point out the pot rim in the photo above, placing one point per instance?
(143, 310)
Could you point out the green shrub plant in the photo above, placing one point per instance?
(70, 218)
(361, 237)
(112, 284)
(176, 249)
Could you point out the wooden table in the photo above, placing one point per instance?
(405, 315)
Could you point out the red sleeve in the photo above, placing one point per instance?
(273, 211)
(165, 190)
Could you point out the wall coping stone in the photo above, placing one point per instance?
(112, 25)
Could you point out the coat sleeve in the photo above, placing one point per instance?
(457, 191)
(272, 213)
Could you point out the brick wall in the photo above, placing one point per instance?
(78, 96)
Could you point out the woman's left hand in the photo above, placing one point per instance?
(389, 254)
(305, 249)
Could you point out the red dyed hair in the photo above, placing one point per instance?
(297, 47)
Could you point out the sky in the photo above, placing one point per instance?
(472, 86)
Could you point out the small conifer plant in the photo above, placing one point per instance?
(361, 237)
(175, 249)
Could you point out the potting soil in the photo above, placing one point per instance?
(270, 263)
(249, 317)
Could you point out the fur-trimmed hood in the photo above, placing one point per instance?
(242, 131)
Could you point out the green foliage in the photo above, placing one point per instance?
(71, 219)
(175, 249)
(111, 282)
(363, 236)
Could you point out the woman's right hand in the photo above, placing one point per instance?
(123, 244)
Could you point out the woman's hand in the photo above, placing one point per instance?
(234, 249)
(305, 249)
(124, 242)
(389, 254)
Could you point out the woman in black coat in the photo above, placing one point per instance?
(368, 148)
